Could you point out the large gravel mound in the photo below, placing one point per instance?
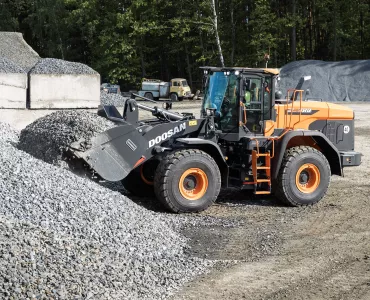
(66, 237)
(59, 66)
(112, 99)
(15, 48)
(8, 67)
(330, 81)
(48, 137)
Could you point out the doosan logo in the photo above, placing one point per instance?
(167, 135)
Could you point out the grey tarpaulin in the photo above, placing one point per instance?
(330, 81)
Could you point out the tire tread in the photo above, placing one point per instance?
(283, 181)
(161, 185)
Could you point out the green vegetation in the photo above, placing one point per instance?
(126, 40)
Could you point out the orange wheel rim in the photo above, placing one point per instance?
(193, 184)
(308, 178)
(148, 182)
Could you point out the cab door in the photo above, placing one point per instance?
(175, 87)
(257, 103)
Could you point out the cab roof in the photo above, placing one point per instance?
(177, 79)
(244, 70)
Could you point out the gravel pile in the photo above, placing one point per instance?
(8, 67)
(59, 66)
(112, 99)
(15, 48)
(63, 236)
(47, 137)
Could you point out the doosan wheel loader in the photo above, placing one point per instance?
(247, 136)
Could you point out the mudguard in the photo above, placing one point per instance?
(213, 150)
(329, 150)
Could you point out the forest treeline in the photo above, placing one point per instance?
(126, 40)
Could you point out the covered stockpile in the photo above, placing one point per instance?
(330, 81)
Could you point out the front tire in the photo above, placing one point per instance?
(140, 182)
(149, 96)
(174, 97)
(304, 177)
(187, 181)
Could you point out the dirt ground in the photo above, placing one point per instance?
(322, 252)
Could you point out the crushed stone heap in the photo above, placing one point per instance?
(48, 137)
(112, 99)
(14, 48)
(66, 237)
(8, 67)
(59, 66)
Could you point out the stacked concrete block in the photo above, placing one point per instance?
(13, 85)
(27, 81)
(58, 84)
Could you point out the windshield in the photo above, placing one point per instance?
(184, 83)
(220, 87)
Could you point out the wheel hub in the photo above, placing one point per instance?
(190, 183)
(304, 177)
(308, 178)
(193, 184)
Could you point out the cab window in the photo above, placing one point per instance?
(176, 83)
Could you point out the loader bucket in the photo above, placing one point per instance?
(114, 153)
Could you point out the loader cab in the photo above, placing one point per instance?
(241, 100)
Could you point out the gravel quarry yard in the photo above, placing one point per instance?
(63, 236)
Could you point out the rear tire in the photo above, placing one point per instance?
(174, 97)
(149, 96)
(304, 177)
(187, 181)
(140, 181)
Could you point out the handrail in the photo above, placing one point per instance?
(294, 98)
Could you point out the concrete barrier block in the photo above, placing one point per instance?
(13, 90)
(55, 91)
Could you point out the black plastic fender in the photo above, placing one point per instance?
(213, 150)
(327, 147)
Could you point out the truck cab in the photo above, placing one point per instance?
(179, 89)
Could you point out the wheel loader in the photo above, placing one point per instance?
(247, 137)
